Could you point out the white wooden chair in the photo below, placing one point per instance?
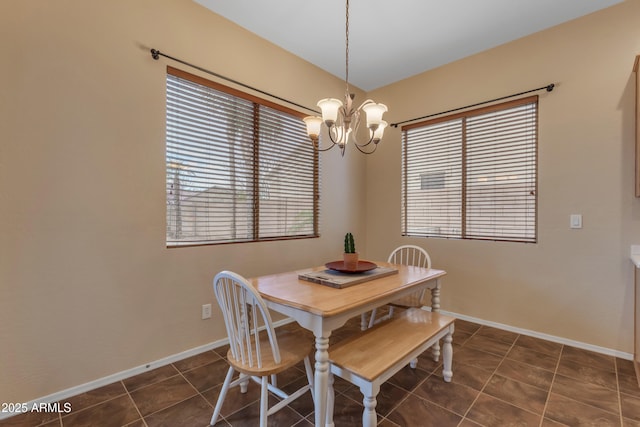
(406, 255)
(254, 349)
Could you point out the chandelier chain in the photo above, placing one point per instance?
(347, 47)
(342, 120)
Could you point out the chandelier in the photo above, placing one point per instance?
(343, 120)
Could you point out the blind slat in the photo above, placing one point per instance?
(472, 177)
(236, 170)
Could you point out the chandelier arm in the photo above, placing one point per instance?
(316, 145)
(364, 151)
(365, 144)
(366, 102)
(334, 142)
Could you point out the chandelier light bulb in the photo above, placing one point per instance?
(313, 126)
(374, 113)
(376, 135)
(330, 108)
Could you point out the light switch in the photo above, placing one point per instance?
(575, 221)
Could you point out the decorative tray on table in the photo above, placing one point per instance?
(361, 267)
(337, 276)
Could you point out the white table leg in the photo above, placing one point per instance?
(435, 297)
(321, 378)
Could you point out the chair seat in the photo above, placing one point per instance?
(295, 345)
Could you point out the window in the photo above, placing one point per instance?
(473, 175)
(238, 168)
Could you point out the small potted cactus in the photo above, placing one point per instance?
(350, 254)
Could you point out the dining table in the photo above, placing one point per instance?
(322, 309)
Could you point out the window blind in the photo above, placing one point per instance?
(238, 168)
(473, 175)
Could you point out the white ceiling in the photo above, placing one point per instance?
(389, 41)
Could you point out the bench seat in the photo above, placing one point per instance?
(370, 358)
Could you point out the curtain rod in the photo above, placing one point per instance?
(549, 88)
(156, 54)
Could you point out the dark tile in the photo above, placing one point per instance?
(539, 345)
(235, 400)
(427, 364)
(291, 375)
(31, 418)
(385, 422)
(304, 423)
(533, 358)
(477, 358)
(468, 423)
(414, 411)
(588, 374)
(408, 378)
(470, 376)
(497, 334)
(461, 337)
(222, 351)
(149, 377)
(303, 404)
(588, 358)
(517, 393)
(341, 385)
(573, 413)
(388, 398)
(527, 374)
(630, 406)
(347, 412)
(112, 413)
(250, 417)
(195, 412)
(208, 376)
(490, 345)
(628, 383)
(625, 367)
(546, 422)
(454, 397)
(586, 392)
(466, 326)
(197, 360)
(489, 411)
(161, 395)
(94, 397)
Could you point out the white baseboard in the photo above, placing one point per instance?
(552, 338)
(91, 385)
(62, 395)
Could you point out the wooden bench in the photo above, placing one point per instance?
(370, 358)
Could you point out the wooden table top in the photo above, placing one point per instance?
(322, 300)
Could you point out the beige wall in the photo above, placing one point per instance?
(573, 284)
(87, 287)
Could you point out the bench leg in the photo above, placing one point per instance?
(447, 357)
(369, 417)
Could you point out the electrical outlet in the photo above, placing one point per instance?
(206, 311)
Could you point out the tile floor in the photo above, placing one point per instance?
(500, 379)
